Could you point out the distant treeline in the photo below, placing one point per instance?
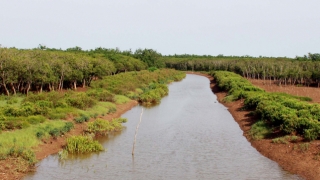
(282, 70)
(44, 68)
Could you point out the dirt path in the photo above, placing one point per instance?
(8, 167)
(312, 92)
(291, 156)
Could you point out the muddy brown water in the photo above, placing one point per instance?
(189, 135)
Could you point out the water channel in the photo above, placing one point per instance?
(188, 136)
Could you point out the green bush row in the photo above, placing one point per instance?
(145, 86)
(290, 114)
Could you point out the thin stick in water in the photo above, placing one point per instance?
(135, 135)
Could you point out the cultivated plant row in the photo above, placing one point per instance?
(287, 113)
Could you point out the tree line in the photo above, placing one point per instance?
(40, 69)
(276, 70)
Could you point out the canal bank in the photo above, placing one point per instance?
(189, 135)
(286, 155)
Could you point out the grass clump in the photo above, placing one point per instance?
(82, 144)
(82, 118)
(228, 99)
(120, 99)
(260, 130)
(80, 100)
(285, 139)
(102, 127)
(304, 147)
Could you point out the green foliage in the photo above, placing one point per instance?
(55, 132)
(20, 151)
(120, 99)
(82, 118)
(281, 70)
(151, 69)
(80, 100)
(236, 86)
(304, 147)
(287, 113)
(82, 144)
(153, 93)
(260, 130)
(149, 56)
(21, 143)
(145, 86)
(280, 141)
(63, 154)
(101, 94)
(102, 127)
(36, 119)
(61, 113)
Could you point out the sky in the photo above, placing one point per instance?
(203, 27)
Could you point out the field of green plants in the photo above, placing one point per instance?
(25, 121)
(277, 111)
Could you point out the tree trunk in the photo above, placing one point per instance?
(41, 88)
(13, 89)
(28, 88)
(49, 86)
(5, 87)
(75, 85)
(60, 87)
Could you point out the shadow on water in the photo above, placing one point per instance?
(188, 136)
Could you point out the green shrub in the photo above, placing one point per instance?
(60, 113)
(20, 151)
(228, 99)
(294, 138)
(36, 119)
(82, 144)
(285, 139)
(152, 69)
(101, 95)
(121, 120)
(80, 101)
(55, 132)
(12, 100)
(260, 130)
(304, 147)
(40, 134)
(82, 118)
(120, 99)
(102, 127)
(67, 127)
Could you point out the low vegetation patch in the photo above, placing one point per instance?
(260, 130)
(120, 99)
(285, 139)
(102, 127)
(286, 113)
(82, 144)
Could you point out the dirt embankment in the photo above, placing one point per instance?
(8, 167)
(293, 157)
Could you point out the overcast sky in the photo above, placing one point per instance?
(229, 27)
